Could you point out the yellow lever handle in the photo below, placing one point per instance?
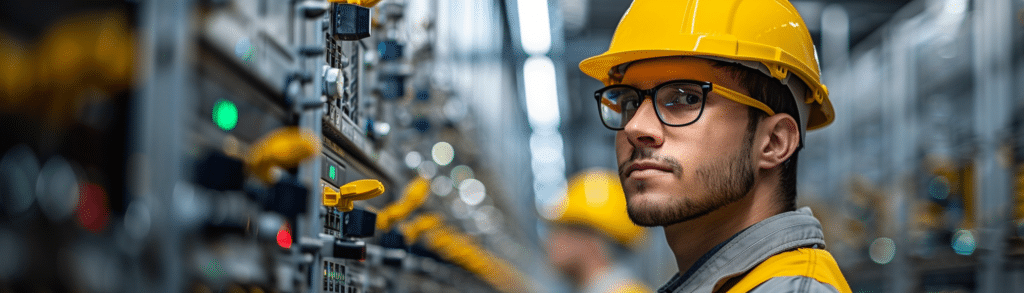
(285, 147)
(352, 191)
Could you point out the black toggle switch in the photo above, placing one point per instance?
(351, 22)
(288, 198)
(359, 223)
(218, 171)
(350, 249)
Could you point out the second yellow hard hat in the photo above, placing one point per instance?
(595, 199)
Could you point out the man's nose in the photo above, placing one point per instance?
(644, 129)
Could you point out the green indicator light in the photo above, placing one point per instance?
(332, 173)
(225, 114)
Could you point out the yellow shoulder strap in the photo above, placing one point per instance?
(807, 262)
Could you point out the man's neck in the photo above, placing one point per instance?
(692, 239)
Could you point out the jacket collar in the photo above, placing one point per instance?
(774, 235)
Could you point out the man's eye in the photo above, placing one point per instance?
(692, 99)
(683, 99)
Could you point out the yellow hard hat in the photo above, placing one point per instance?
(595, 199)
(768, 34)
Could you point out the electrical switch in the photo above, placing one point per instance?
(285, 148)
(359, 223)
(351, 22)
(353, 191)
(350, 249)
(288, 197)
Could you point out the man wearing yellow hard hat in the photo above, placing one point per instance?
(588, 226)
(711, 101)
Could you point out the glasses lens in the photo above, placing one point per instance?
(617, 105)
(679, 103)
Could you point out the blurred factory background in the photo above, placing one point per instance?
(417, 145)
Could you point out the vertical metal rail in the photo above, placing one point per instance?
(992, 111)
(310, 34)
(903, 144)
(161, 115)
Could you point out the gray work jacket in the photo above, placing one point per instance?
(780, 233)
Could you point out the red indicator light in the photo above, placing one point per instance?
(92, 211)
(284, 237)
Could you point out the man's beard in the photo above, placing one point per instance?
(724, 182)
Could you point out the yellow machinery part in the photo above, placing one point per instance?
(285, 147)
(414, 195)
(344, 197)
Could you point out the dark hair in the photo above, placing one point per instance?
(779, 98)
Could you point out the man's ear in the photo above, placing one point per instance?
(779, 138)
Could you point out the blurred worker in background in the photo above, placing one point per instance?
(587, 228)
(711, 101)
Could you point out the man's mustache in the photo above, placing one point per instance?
(648, 153)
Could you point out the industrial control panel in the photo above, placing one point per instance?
(231, 146)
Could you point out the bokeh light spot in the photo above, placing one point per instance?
(472, 191)
(963, 242)
(460, 173)
(442, 185)
(443, 153)
(882, 250)
(413, 159)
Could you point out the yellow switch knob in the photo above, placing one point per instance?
(285, 148)
(353, 191)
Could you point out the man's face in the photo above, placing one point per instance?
(675, 174)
